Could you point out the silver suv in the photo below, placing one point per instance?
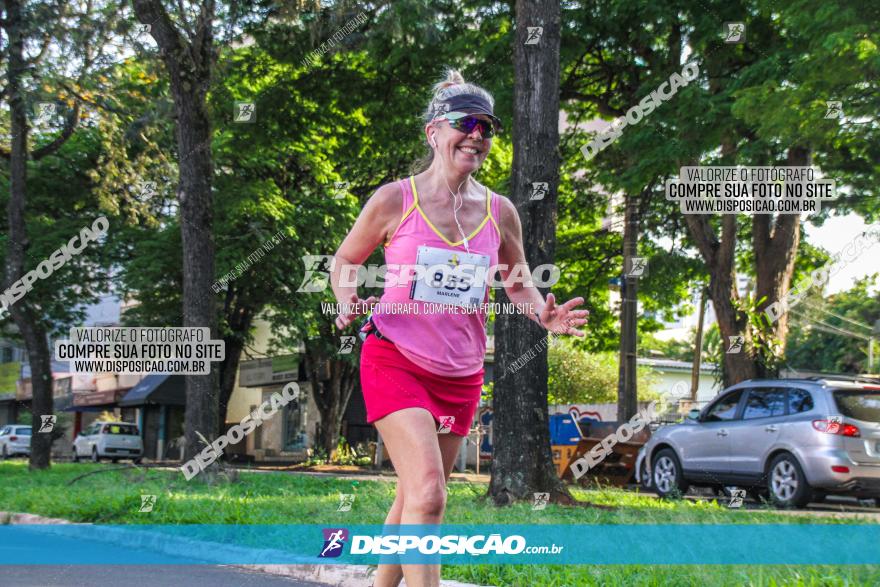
(795, 440)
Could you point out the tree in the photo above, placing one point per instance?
(522, 463)
(189, 57)
(79, 40)
(828, 335)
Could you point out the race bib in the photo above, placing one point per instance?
(450, 277)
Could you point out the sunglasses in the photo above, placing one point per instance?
(466, 123)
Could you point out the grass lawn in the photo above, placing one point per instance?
(278, 498)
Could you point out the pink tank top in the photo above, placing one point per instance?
(452, 344)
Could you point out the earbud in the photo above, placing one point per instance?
(433, 140)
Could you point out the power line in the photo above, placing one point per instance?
(817, 308)
(830, 327)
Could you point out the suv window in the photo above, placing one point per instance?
(765, 402)
(799, 400)
(4, 431)
(23, 431)
(861, 405)
(725, 408)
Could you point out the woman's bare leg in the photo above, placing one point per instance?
(422, 469)
(391, 575)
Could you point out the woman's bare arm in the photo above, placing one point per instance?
(381, 212)
(560, 319)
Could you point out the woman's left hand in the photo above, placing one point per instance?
(563, 319)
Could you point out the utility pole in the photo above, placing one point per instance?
(627, 392)
(698, 346)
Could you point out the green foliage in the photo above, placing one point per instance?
(345, 455)
(818, 338)
(766, 348)
(652, 347)
(284, 498)
(578, 377)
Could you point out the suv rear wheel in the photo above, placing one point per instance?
(787, 484)
(667, 475)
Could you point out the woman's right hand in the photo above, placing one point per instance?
(357, 307)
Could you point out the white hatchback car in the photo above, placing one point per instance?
(109, 440)
(15, 440)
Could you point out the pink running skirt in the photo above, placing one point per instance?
(391, 382)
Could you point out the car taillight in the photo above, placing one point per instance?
(838, 428)
(13, 438)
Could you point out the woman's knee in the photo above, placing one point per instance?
(427, 495)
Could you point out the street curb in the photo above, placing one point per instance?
(339, 575)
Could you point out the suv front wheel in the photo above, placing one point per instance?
(787, 484)
(667, 475)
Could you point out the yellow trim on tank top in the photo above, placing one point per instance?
(434, 228)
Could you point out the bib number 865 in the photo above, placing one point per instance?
(451, 279)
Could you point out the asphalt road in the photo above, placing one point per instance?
(142, 576)
(169, 573)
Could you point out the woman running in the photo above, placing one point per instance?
(422, 368)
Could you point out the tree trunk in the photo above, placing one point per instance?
(189, 60)
(239, 321)
(196, 225)
(698, 347)
(522, 463)
(228, 371)
(333, 380)
(26, 318)
(627, 390)
(775, 253)
(720, 259)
